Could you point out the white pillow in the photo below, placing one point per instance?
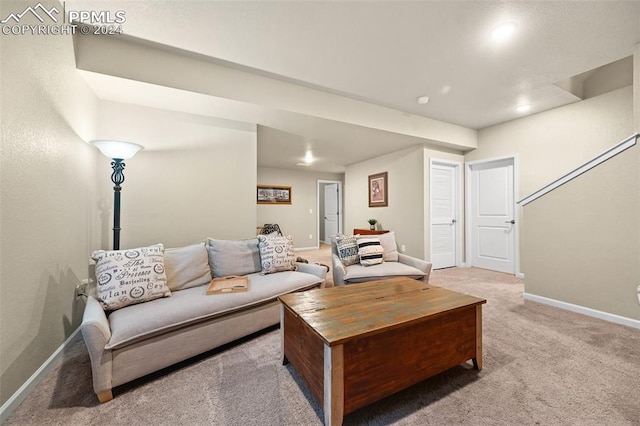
(187, 267)
(276, 254)
(370, 251)
(126, 277)
(388, 242)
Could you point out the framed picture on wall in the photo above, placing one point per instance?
(378, 190)
(273, 194)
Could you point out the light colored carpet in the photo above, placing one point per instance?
(542, 366)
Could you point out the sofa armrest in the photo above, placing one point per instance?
(96, 332)
(338, 271)
(420, 264)
(311, 268)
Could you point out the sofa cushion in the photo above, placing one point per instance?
(185, 307)
(370, 251)
(388, 242)
(276, 253)
(347, 249)
(359, 273)
(126, 277)
(233, 257)
(187, 267)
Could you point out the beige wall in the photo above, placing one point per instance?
(567, 253)
(48, 198)
(581, 242)
(405, 213)
(300, 219)
(409, 205)
(179, 197)
(552, 143)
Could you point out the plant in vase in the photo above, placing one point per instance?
(372, 224)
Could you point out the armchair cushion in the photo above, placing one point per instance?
(388, 242)
(359, 273)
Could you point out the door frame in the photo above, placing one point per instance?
(319, 182)
(516, 208)
(457, 165)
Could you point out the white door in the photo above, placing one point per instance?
(444, 214)
(492, 215)
(331, 215)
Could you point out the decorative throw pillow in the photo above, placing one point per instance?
(347, 249)
(388, 243)
(370, 251)
(233, 257)
(187, 267)
(126, 277)
(276, 254)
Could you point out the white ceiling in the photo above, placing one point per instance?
(389, 53)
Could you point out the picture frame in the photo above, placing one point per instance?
(273, 194)
(378, 190)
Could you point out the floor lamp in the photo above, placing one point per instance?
(118, 151)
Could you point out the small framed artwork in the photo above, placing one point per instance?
(273, 194)
(378, 190)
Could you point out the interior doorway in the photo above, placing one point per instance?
(445, 179)
(491, 214)
(329, 200)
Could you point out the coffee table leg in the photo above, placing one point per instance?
(333, 385)
(285, 361)
(477, 361)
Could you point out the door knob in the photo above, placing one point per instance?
(513, 222)
(453, 221)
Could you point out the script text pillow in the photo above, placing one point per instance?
(388, 243)
(126, 277)
(347, 247)
(187, 266)
(370, 251)
(233, 257)
(276, 254)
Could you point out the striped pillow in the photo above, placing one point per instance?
(370, 251)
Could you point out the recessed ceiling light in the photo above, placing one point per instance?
(523, 108)
(308, 157)
(423, 100)
(503, 31)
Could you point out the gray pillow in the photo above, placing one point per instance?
(187, 266)
(233, 257)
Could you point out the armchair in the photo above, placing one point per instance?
(405, 266)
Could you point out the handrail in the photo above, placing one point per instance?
(611, 152)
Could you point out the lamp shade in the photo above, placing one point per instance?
(117, 149)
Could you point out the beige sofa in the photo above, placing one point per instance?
(395, 265)
(133, 341)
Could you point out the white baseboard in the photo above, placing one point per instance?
(629, 322)
(520, 275)
(306, 248)
(19, 396)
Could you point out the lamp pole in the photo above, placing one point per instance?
(118, 151)
(117, 177)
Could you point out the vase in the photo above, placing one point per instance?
(372, 227)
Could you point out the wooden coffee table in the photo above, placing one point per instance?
(353, 345)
